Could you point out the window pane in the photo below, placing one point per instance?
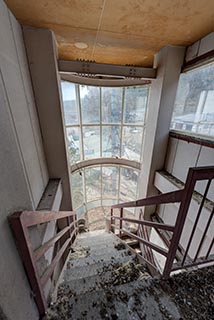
(132, 142)
(91, 142)
(90, 104)
(73, 144)
(69, 103)
(110, 182)
(77, 190)
(93, 183)
(111, 105)
(110, 141)
(128, 184)
(193, 110)
(135, 104)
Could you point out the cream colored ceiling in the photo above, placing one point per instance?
(118, 31)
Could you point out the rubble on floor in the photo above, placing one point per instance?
(104, 280)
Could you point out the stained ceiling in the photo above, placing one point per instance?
(117, 31)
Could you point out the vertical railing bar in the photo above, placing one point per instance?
(121, 222)
(204, 235)
(142, 234)
(111, 220)
(146, 238)
(196, 222)
(149, 249)
(210, 248)
(75, 225)
(182, 213)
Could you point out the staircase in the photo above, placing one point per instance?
(103, 280)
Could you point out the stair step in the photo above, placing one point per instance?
(96, 242)
(97, 245)
(99, 257)
(87, 284)
(99, 305)
(94, 268)
(100, 282)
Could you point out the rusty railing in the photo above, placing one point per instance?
(183, 197)
(20, 222)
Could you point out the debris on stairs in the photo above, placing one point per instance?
(103, 280)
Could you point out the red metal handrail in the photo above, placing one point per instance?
(20, 222)
(183, 197)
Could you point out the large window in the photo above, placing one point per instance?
(194, 104)
(104, 122)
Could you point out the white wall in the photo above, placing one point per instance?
(23, 169)
(181, 155)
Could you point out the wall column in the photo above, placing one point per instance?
(42, 58)
(168, 62)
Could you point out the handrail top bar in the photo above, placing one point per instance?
(31, 218)
(202, 173)
(148, 223)
(152, 245)
(199, 173)
(169, 197)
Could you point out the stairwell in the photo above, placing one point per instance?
(103, 280)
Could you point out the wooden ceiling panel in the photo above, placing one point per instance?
(120, 32)
(116, 55)
(76, 13)
(165, 19)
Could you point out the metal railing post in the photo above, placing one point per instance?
(75, 225)
(182, 213)
(121, 222)
(111, 221)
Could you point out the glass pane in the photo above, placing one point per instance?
(132, 142)
(110, 141)
(193, 110)
(90, 104)
(128, 184)
(111, 105)
(77, 189)
(135, 104)
(73, 144)
(110, 182)
(91, 142)
(93, 183)
(69, 103)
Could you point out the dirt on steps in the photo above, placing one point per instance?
(129, 293)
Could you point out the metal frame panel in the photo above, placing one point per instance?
(93, 68)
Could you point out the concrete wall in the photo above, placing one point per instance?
(42, 56)
(23, 169)
(182, 155)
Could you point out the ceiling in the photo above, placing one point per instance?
(118, 31)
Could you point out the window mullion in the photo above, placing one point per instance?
(80, 117)
(122, 122)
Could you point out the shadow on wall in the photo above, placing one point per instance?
(2, 315)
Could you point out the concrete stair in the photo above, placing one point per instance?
(103, 280)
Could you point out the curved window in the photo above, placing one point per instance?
(103, 185)
(104, 122)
